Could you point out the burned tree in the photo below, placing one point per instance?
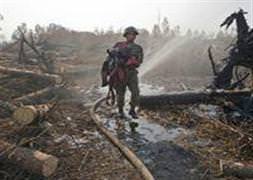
(240, 53)
(227, 80)
(33, 41)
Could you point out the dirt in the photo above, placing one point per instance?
(83, 152)
(68, 133)
(176, 142)
(208, 137)
(156, 145)
(88, 154)
(182, 142)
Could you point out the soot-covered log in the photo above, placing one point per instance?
(31, 160)
(191, 97)
(6, 70)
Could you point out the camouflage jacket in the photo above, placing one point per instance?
(132, 51)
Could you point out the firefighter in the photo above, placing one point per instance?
(133, 57)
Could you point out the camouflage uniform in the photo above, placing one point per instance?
(135, 54)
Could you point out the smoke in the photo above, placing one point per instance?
(161, 55)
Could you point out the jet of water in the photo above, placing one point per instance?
(162, 55)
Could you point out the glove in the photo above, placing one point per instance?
(132, 62)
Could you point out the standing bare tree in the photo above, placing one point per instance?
(33, 40)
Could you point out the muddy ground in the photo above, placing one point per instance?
(176, 142)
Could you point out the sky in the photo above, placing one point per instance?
(83, 15)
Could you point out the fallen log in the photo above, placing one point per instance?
(43, 96)
(238, 170)
(191, 97)
(31, 160)
(55, 78)
(27, 114)
(40, 94)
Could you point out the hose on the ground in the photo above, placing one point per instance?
(130, 155)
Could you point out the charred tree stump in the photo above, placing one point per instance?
(30, 160)
(190, 97)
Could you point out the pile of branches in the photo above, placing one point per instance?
(24, 116)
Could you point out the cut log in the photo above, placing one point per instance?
(191, 97)
(238, 170)
(57, 79)
(30, 160)
(27, 114)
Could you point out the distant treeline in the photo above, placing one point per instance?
(190, 58)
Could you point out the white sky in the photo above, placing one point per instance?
(86, 15)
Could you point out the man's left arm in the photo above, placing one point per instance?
(136, 56)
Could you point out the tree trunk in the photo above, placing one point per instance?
(190, 97)
(223, 78)
(21, 54)
(53, 77)
(30, 160)
(27, 114)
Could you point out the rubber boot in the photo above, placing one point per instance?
(121, 113)
(133, 113)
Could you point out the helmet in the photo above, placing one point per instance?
(130, 29)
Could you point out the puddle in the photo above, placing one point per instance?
(154, 144)
(153, 132)
(145, 131)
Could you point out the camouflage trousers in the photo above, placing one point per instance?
(133, 86)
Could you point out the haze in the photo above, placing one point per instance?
(87, 15)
